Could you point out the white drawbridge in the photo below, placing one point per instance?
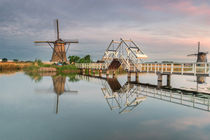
(127, 52)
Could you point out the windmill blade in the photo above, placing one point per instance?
(71, 41)
(198, 47)
(71, 92)
(43, 91)
(57, 25)
(44, 41)
(192, 54)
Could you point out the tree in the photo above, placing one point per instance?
(15, 60)
(4, 60)
(87, 59)
(77, 59)
(73, 59)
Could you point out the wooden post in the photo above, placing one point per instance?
(159, 80)
(114, 74)
(137, 77)
(83, 71)
(89, 71)
(168, 80)
(100, 72)
(107, 74)
(94, 72)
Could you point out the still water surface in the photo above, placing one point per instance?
(66, 108)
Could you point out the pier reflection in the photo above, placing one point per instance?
(128, 96)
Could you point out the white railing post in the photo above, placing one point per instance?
(172, 68)
(151, 67)
(181, 68)
(205, 68)
(155, 68)
(158, 67)
(195, 68)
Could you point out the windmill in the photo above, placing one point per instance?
(201, 56)
(58, 46)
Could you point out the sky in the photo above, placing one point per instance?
(164, 29)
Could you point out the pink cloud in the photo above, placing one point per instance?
(183, 7)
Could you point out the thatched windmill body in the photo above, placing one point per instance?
(201, 56)
(58, 46)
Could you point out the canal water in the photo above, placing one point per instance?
(77, 107)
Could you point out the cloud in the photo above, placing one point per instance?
(161, 26)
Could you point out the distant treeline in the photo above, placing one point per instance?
(77, 59)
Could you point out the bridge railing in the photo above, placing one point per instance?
(91, 65)
(202, 103)
(173, 68)
(180, 68)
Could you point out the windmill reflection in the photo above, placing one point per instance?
(124, 98)
(60, 84)
(200, 79)
(60, 87)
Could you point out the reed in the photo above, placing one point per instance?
(4, 66)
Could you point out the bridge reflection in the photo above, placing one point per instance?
(128, 96)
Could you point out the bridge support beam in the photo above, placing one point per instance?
(168, 80)
(159, 80)
(137, 77)
(129, 76)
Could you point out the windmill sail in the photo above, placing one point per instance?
(201, 56)
(58, 46)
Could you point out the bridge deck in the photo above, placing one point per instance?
(165, 68)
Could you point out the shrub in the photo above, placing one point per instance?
(15, 60)
(4, 60)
